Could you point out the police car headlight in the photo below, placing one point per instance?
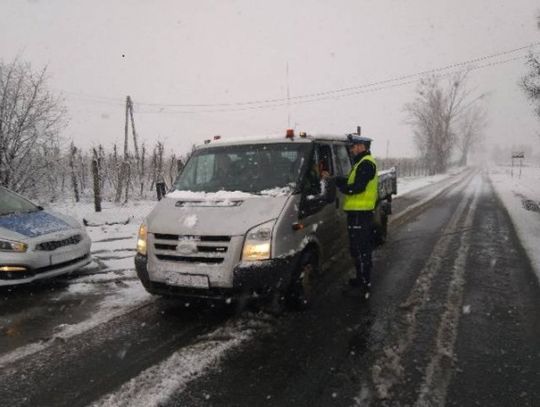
(12, 246)
(141, 239)
(258, 241)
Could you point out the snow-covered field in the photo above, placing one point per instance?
(409, 184)
(520, 195)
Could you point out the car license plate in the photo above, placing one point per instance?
(63, 257)
(188, 280)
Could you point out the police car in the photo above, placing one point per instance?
(36, 243)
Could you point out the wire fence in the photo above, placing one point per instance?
(406, 167)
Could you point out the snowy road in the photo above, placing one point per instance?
(454, 320)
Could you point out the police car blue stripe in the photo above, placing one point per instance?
(33, 224)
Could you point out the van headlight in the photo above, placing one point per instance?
(12, 246)
(141, 239)
(257, 243)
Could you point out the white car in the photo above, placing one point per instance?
(36, 243)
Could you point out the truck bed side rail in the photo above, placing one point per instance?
(387, 183)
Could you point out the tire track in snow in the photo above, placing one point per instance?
(102, 316)
(388, 369)
(437, 377)
(156, 385)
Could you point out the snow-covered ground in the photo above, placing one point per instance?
(409, 184)
(114, 237)
(520, 194)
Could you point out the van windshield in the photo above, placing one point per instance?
(249, 168)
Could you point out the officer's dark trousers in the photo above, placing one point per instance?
(360, 226)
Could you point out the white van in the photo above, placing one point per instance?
(251, 217)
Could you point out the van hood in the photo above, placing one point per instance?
(213, 216)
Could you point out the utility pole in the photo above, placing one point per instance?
(134, 133)
(125, 173)
(123, 167)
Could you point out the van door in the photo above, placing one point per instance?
(343, 167)
(316, 212)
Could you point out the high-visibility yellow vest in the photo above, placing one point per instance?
(366, 200)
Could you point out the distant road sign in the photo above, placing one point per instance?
(518, 155)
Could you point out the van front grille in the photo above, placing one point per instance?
(212, 249)
(191, 249)
(191, 259)
(160, 236)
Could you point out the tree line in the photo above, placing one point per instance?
(85, 173)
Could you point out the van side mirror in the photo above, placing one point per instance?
(330, 190)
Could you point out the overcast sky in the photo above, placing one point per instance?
(224, 53)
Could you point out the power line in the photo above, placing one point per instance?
(284, 102)
(337, 91)
(312, 97)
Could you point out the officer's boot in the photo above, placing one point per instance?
(358, 280)
(366, 274)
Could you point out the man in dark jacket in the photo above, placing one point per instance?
(360, 189)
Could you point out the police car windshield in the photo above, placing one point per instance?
(12, 203)
(249, 168)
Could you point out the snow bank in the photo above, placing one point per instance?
(521, 197)
(408, 184)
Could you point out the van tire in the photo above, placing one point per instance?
(301, 290)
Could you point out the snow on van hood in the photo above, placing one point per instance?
(221, 213)
(226, 195)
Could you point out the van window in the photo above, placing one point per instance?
(204, 169)
(343, 159)
(321, 160)
(249, 168)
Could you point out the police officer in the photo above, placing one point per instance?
(360, 189)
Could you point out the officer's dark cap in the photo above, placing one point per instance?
(353, 139)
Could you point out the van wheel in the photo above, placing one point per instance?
(302, 286)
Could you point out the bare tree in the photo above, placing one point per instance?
(435, 115)
(72, 152)
(96, 180)
(470, 129)
(530, 83)
(30, 119)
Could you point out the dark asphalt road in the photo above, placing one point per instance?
(454, 319)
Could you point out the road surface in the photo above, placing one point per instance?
(454, 319)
